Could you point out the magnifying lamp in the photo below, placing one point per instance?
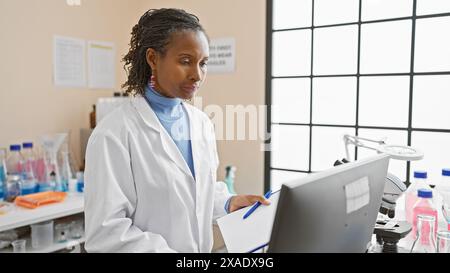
(398, 152)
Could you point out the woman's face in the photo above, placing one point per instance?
(180, 72)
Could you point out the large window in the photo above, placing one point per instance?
(372, 68)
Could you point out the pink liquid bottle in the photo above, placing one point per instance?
(419, 182)
(424, 206)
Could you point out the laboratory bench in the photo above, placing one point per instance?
(20, 219)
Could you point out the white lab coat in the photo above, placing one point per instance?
(140, 195)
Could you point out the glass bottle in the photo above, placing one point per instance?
(419, 182)
(443, 205)
(425, 242)
(424, 206)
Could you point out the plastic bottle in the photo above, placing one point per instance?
(443, 203)
(14, 161)
(419, 182)
(80, 181)
(229, 178)
(29, 168)
(425, 241)
(424, 206)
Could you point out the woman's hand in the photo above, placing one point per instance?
(240, 201)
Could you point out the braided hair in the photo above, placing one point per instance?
(154, 30)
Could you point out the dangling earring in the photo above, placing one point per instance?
(152, 81)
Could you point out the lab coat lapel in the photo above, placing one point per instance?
(167, 142)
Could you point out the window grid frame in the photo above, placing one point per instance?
(269, 77)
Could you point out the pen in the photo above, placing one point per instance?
(255, 206)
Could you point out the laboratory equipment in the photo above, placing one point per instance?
(42, 234)
(62, 232)
(425, 238)
(330, 211)
(394, 187)
(443, 189)
(424, 206)
(388, 234)
(229, 178)
(14, 160)
(76, 229)
(66, 172)
(19, 246)
(419, 182)
(29, 167)
(13, 187)
(2, 173)
(51, 145)
(443, 241)
(80, 181)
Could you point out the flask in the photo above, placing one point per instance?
(424, 206)
(29, 167)
(425, 242)
(419, 182)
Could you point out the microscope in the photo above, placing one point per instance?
(388, 231)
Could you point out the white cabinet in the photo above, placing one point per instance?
(19, 217)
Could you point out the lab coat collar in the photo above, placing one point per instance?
(149, 117)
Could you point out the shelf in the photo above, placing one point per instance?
(48, 249)
(19, 217)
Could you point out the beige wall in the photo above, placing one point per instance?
(245, 21)
(31, 106)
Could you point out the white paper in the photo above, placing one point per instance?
(357, 194)
(101, 67)
(244, 235)
(69, 62)
(222, 55)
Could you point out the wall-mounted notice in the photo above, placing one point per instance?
(222, 55)
(69, 67)
(101, 65)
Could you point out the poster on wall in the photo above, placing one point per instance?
(222, 56)
(101, 65)
(69, 67)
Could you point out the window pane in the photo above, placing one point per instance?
(384, 9)
(277, 178)
(292, 14)
(431, 102)
(327, 12)
(436, 149)
(432, 49)
(393, 137)
(291, 54)
(432, 6)
(386, 47)
(290, 147)
(384, 101)
(290, 100)
(335, 50)
(334, 100)
(328, 146)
